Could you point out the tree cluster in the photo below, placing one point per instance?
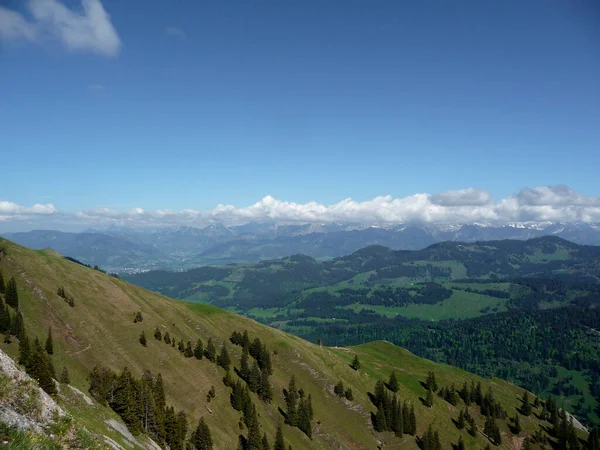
(299, 411)
(66, 297)
(430, 440)
(392, 414)
(141, 404)
(342, 392)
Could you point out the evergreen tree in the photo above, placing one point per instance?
(244, 365)
(461, 444)
(355, 363)
(49, 345)
(199, 349)
(291, 399)
(431, 383)
(189, 351)
(338, 389)
(157, 334)
(142, 339)
(2, 287)
(254, 439)
(397, 425)
(167, 338)
(12, 296)
(526, 406)
(18, 326)
(461, 423)
(536, 402)
(210, 352)
(159, 393)
(527, 444)
(412, 421)
(181, 346)
(593, 442)
(264, 445)
(4, 317)
(228, 379)
(465, 394)
(40, 368)
(304, 417)
(279, 444)
(126, 401)
(24, 350)
(429, 399)
(264, 390)
(348, 394)
(201, 438)
(380, 423)
(517, 424)
(254, 377)
(64, 376)
(393, 382)
(224, 360)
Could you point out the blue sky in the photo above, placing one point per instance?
(197, 104)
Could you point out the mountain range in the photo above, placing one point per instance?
(130, 250)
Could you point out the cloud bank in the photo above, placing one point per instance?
(88, 30)
(539, 204)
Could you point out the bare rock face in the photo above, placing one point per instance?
(23, 404)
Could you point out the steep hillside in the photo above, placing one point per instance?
(99, 329)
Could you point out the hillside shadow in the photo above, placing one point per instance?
(455, 422)
(372, 398)
(420, 442)
(283, 413)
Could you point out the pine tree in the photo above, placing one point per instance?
(412, 421)
(380, 423)
(49, 345)
(125, 401)
(279, 444)
(201, 438)
(304, 418)
(254, 377)
(189, 351)
(461, 444)
(18, 325)
(167, 338)
(526, 444)
(338, 389)
(430, 383)
(228, 379)
(291, 399)
(181, 346)
(526, 406)
(593, 442)
(355, 363)
(429, 399)
(397, 425)
(157, 334)
(40, 368)
(517, 424)
(24, 350)
(4, 317)
(393, 382)
(159, 393)
(12, 296)
(253, 441)
(348, 394)
(64, 376)
(142, 339)
(264, 390)
(2, 287)
(224, 360)
(199, 349)
(265, 443)
(211, 351)
(461, 420)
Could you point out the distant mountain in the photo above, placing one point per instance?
(130, 250)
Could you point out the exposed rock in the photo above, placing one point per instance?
(121, 428)
(88, 400)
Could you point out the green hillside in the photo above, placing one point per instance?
(99, 330)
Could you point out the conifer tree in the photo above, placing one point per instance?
(593, 441)
(40, 369)
(412, 421)
(430, 383)
(4, 317)
(380, 423)
(142, 339)
(18, 326)
(157, 334)
(12, 296)
(228, 379)
(526, 406)
(124, 401)
(338, 389)
(159, 393)
(517, 424)
(461, 420)
(181, 346)
(199, 349)
(265, 443)
(304, 418)
(254, 438)
(348, 394)
(211, 351)
(167, 338)
(279, 444)
(355, 363)
(201, 438)
(264, 390)
(393, 382)
(2, 287)
(429, 398)
(64, 376)
(24, 350)
(461, 444)
(291, 398)
(224, 360)
(254, 377)
(465, 394)
(189, 351)
(49, 344)
(397, 425)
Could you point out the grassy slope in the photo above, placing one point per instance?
(100, 330)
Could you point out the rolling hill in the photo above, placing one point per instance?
(98, 329)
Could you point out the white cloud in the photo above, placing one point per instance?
(175, 32)
(13, 209)
(462, 197)
(96, 87)
(540, 204)
(88, 30)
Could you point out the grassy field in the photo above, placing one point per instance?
(99, 330)
(460, 305)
